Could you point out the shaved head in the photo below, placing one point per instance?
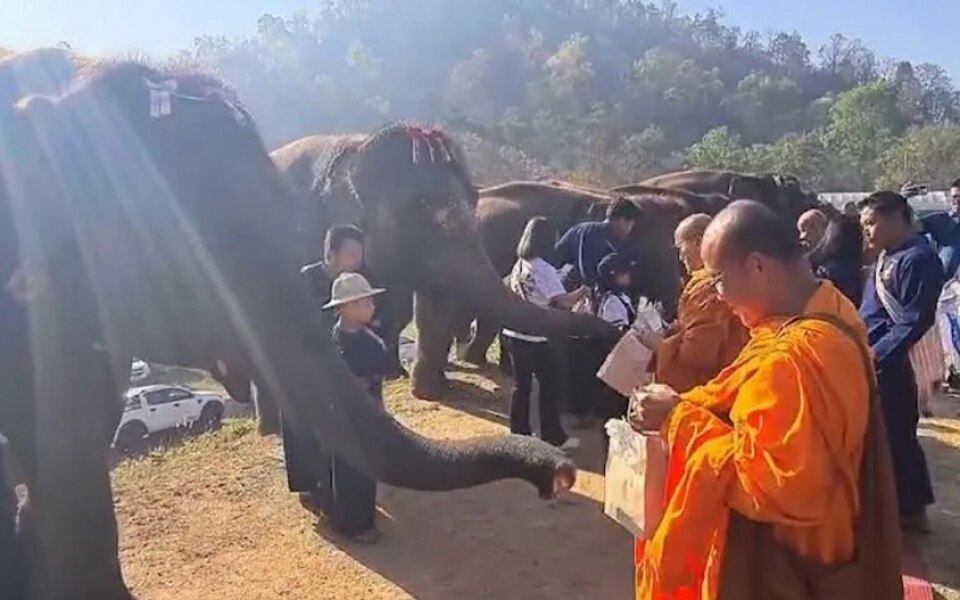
(814, 215)
(692, 228)
(688, 238)
(812, 227)
(746, 227)
(758, 265)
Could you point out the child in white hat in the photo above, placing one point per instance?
(354, 506)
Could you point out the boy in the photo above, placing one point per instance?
(353, 506)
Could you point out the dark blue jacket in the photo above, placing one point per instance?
(915, 277)
(944, 229)
(584, 246)
(846, 276)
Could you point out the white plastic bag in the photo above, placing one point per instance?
(627, 367)
(634, 479)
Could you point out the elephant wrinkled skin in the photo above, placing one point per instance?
(168, 236)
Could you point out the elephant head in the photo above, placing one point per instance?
(784, 192)
(148, 198)
(419, 215)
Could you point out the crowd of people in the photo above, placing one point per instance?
(788, 387)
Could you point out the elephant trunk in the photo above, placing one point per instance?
(306, 374)
(464, 274)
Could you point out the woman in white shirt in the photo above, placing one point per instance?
(535, 280)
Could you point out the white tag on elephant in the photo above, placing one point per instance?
(634, 479)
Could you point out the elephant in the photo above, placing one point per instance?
(319, 170)
(503, 210)
(141, 215)
(783, 193)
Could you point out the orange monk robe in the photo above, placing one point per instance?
(778, 437)
(709, 337)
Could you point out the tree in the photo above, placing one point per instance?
(719, 149)
(929, 155)
(862, 124)
(614, 89)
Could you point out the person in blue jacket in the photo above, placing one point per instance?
(584, 245)
(899, 307)
(944, 229)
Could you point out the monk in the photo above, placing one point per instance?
(707, 335)
(812, 226)
(780, 484)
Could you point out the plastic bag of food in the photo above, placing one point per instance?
(635, 478)
(627, 366)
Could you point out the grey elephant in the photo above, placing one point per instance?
(321, 171)
(140, 214)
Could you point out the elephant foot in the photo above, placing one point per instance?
(434, 387)
(264, 427)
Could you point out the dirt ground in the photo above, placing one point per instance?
(212, 519)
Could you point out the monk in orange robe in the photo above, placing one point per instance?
(707, 336)
(779, 484)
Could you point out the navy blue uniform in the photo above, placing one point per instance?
(351, 499)
(913, 274)
(584, 246)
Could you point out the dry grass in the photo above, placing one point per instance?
(212, 519)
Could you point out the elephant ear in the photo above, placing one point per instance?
(335, 200)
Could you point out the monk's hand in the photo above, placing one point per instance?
(651, 406)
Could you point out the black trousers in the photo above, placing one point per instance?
(898, 399)
(530, 359)
(346, 495)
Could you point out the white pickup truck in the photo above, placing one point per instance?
(152, 409)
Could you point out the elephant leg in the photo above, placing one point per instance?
(239, 384)
(480, 344)
(434, 335)
(77, 402)
(268, 411)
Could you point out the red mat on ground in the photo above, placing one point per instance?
(915, 579)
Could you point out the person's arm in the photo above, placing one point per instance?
(547, 281)
(769, 476)
(918, 288)
(567, 300)
(568, 247)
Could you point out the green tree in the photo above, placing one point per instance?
(929, 155)
(719, 149)
(862, 124)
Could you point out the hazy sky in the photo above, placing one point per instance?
(917, 30)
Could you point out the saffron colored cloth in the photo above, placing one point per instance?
(709, 337)
(777, 437)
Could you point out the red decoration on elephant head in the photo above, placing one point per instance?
(432, 139)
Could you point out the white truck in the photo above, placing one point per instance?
(156, 408)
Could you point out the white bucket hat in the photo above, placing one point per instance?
(350, 287)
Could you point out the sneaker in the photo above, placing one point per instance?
(572, 443)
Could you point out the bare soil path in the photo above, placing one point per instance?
(211, 518)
